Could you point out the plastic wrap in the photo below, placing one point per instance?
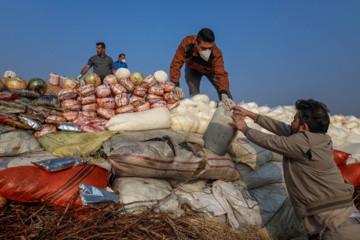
(105, 113)
(65, 94)
(108, 102)
(69, 127)
(59, 164)
(91, 195)
(126, 109)
(103, 90)
(88, 89)
(121, 100)
(140, 91)
(127, 84)
(118, 89)
(149, 81)
(157, 90)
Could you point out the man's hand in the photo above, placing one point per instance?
(243, 112)
(239, 123)
(79, 77)
(179, 93)
(227, 101)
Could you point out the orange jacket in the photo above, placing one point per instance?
(217, 65)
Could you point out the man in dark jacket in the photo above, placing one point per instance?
(316, 188)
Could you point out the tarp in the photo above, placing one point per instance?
(75, 144)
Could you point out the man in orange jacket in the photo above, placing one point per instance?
(202, 57)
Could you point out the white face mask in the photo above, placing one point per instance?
(123, 60)
(205, 54)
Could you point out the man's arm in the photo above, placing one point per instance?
(286, 146)
(84, 71)
(272, 125)
(178, 62)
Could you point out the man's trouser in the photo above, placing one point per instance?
(348, 230)
(193, 79)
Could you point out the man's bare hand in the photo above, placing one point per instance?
(239, 123)
(243, 112)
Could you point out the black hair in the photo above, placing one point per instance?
(101, 44)
(121, 54)
(314, 114)
(205, 35)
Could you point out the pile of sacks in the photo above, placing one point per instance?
(90, 107)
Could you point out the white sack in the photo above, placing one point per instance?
(244, 151)
(241, 208)
(201, 98)
(264, 110)
(338, 136)
(155, 118)
(25, 159)
(18, 142)
(142, 189)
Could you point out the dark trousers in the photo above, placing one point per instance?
(193, 79)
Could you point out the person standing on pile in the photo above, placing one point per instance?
(121, 62)
(103, 64)
(202, 58)
(318, 192)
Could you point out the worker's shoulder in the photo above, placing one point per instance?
(189, 39)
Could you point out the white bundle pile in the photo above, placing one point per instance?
(193, 114)
(342, 129)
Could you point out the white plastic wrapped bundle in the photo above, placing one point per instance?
(290, 109)
(201, 98)
(212, 104)
(352, 119)
(278, 110)
(332, 120)
(204, 115)
(203, 107)
(355, 131)
(338, 136)
(253, 105)
(203, 125)
(339, 118)
(350, 125)
(181, 109)
(188, 102)
(264, 110)
(337, 124)
(193, 110)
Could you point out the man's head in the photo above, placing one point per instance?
(100, 48)
(311, 115)
(205, 39)
(122, 57)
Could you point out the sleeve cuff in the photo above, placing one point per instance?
(223, 92)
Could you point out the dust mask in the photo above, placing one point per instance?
(205, 54)
(123, 60)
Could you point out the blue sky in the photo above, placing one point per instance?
(274, 51)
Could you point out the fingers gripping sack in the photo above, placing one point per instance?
(179, 93)
(227, 101)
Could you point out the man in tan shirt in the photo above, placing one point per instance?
(315, 185)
